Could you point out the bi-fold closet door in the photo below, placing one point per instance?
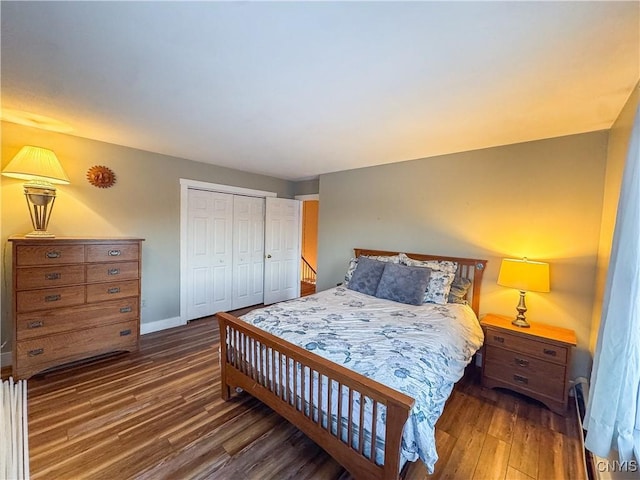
(240, 250)
(248, 251)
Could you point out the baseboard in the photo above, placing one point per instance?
(150, 327)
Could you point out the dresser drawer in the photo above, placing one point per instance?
(45, 277)
(49, 298)
(48, 254)
(99, 292)
(111, 272)
(529, 345)
(31, 325)
(112, 252)
(525, 372)
(38, 353)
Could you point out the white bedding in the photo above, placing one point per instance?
(418, 350)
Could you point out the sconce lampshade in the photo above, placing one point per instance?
(41, 168)
(526, 276)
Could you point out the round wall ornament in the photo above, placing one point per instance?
(101, 176)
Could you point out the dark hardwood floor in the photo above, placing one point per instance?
(157, 414)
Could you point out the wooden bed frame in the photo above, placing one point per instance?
(251, 366)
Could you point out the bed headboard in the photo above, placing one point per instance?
(471, 268)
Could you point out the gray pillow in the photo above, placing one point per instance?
(459, 289)
(366, 276)
(403, 284)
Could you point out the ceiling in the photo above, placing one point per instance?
(298, 89)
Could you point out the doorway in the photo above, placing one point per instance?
(309, 256)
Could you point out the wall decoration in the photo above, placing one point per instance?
(101, 176)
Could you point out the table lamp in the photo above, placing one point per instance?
(526, 276)
(41, 168)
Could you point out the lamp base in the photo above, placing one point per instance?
(520, 320)
(41, 196)
(40, 234)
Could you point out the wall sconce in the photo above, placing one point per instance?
(526, 276)
(41, 168)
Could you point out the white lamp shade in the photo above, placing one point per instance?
(36, 163)
(524, 275)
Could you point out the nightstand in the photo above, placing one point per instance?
(533, 361)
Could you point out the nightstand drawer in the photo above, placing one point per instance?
(529, 345)
(525, 372)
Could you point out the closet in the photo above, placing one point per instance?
(226, 256)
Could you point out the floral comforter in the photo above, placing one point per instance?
(418, 350)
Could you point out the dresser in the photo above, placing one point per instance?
(73, 298)
(533, 361)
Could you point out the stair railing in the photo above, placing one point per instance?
(308, 272)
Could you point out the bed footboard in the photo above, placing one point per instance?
(342, 411)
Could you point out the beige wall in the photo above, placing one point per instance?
(538, 199)
(619, 136)
(145, 202)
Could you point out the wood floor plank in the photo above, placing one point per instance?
(551, 461)
(514, 474)
(445, 443)
(504, 418)
(525, 447)
(157, 414)
(493, 461)
(466, 453)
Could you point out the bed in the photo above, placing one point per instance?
(366, 378)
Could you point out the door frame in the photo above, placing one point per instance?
(185, 185)
(310, 196)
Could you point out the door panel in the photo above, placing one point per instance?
(282, 250)
(209, 252)
(248, 251)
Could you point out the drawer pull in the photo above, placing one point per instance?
(53, 276)
(114, 253)
(126, 309)
(113, 271)
(36, 324)
(35, 353)
(52, 298)
(548, 351)
(53, 254)
(521, 379)
(521, 362)
(124, 333)
(114, 290)
(498, 339)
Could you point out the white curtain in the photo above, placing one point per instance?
(612, 419)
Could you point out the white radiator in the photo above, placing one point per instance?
(14, 436)
(599, 468)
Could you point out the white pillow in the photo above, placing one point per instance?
(442, 274)
(353, 263)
